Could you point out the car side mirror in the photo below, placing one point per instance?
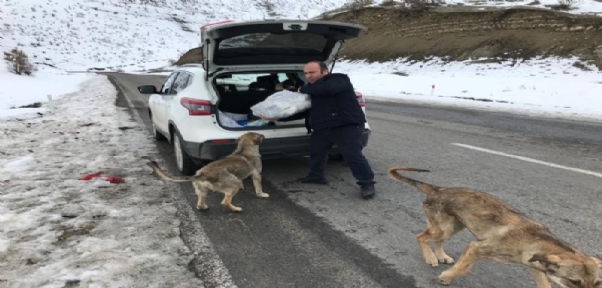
(148, 89)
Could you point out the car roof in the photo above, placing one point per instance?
(192, 67)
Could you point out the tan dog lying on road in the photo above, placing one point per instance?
(503, 234)
(226, 175)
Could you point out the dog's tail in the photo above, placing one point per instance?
(425, 188)
(166, 176)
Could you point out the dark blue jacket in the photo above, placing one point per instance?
(333, 102)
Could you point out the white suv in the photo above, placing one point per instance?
(203, 108)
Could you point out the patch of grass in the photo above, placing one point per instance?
(401, 73)
(357, 5)
(183, 23)
(157, 70)
(33, 105)
(68, 232)
(269, 8)
(563, 5)
(388, 3)
(18, 62)
(580, 65)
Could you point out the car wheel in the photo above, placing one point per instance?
(156, 134)
(185, 164)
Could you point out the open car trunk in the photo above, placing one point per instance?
(280, 47)
(238, 92)
(229, 45)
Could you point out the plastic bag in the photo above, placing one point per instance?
(229, 119)
(233, 120)
(282, 104)
(253, 123)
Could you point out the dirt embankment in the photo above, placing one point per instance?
(461, 34)
(194, 55)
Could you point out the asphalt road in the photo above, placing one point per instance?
(327, 236)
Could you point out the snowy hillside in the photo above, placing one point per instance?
(77, 35)
(124, 34)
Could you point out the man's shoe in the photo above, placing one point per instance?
(368, 191)
(308, 180)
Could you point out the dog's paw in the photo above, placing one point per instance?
(263, 195)
(235, 209)
(433, 263)
(202, 208)
(446, 259)
(432, 260)
(445, 279)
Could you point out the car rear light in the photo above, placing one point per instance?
(196, 107)
(222, 141)
(360, 99)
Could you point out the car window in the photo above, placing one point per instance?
(190, 77)
(282, 77)
(244, 80)
(166, 88)
(181, 83)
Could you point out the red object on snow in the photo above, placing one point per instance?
(90, 176)
(112, 179)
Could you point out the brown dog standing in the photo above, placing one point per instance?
(226, 175)
(503, 234)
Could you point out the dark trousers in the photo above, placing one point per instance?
(349, 141)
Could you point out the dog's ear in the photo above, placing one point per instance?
(547, 263)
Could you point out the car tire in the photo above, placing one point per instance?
(184, 163)
(156, 134)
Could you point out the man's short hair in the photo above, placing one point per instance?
(322, 65)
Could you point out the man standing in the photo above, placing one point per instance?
(336, 118)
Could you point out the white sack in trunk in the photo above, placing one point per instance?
(282, 104)
(229, 119)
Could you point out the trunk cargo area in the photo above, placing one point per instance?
(239, 92)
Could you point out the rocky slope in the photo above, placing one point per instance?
(460, 33)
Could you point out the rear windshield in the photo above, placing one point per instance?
(300, 44)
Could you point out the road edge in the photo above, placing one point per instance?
(541, 115)
(206, 263)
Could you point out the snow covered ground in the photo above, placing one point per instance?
(23, 90)
(590, 7)
(58, 231)
(125, 35)
(114, 34)
(545, 87)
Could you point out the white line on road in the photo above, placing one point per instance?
(530, 160)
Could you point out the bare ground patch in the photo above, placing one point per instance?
(461, 33)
